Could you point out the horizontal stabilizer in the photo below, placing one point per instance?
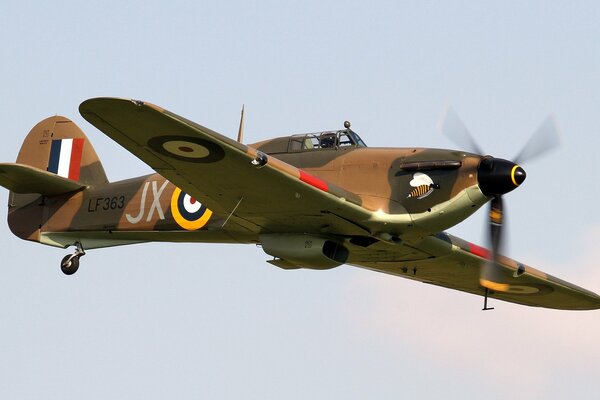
(21, 178)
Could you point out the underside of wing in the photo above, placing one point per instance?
(448, 261)
(228, 177)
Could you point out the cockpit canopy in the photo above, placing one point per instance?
(325, 140)
(331, 140)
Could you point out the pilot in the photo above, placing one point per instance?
(328, 141)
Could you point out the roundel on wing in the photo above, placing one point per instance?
(188, 212)
(187, 148)
(530, 289)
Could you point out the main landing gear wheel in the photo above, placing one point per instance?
(70, 263)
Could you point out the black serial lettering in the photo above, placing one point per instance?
(105, 203)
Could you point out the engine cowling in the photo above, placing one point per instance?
(303, 251)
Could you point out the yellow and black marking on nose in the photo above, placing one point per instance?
(516, 175)
(420, 191)
(497, 176)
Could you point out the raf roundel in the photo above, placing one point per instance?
(530, 289)
(188, 212)
(187, 148)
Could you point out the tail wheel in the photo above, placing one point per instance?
(69, 264)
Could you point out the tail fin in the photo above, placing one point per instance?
(55, 157)
(57, 145)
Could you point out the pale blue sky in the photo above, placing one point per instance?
(216, 321)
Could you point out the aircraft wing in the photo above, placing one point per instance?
(220, 172)
(451, 262)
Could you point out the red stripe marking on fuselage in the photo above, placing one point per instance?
(314, 181)
(76, 153)
(479, 251)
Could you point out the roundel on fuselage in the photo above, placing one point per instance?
(188, 212)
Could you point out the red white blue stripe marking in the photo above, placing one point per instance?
(65, 157)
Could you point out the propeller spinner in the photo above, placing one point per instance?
(496, 177)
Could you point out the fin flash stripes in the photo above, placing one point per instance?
(65, 157)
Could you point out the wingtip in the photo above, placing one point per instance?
(95, 104)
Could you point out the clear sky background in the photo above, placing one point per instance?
(158, 321)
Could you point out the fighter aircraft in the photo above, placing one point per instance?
(313, 200)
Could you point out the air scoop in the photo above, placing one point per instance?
(497, 176)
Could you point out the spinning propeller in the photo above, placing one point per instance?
(496, 177)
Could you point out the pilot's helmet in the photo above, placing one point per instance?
(328, 141)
